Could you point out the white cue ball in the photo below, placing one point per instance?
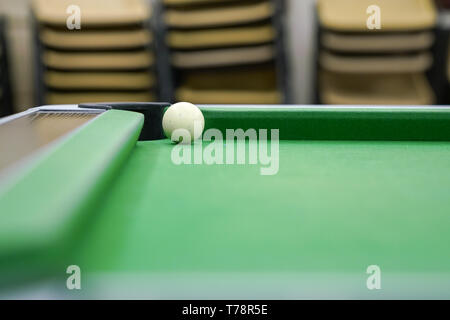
(183, 115)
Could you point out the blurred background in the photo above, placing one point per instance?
(223, 51)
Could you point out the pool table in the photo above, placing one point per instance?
(356, 187)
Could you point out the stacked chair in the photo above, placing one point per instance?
(6, 107)
(111, 58)
(441, 73)
(357, 65)
(225, 51)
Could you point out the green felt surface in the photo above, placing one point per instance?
(334, 206)
(355, 187)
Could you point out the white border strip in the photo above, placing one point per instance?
(238, 286)
(74, 107)
(323, 107)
